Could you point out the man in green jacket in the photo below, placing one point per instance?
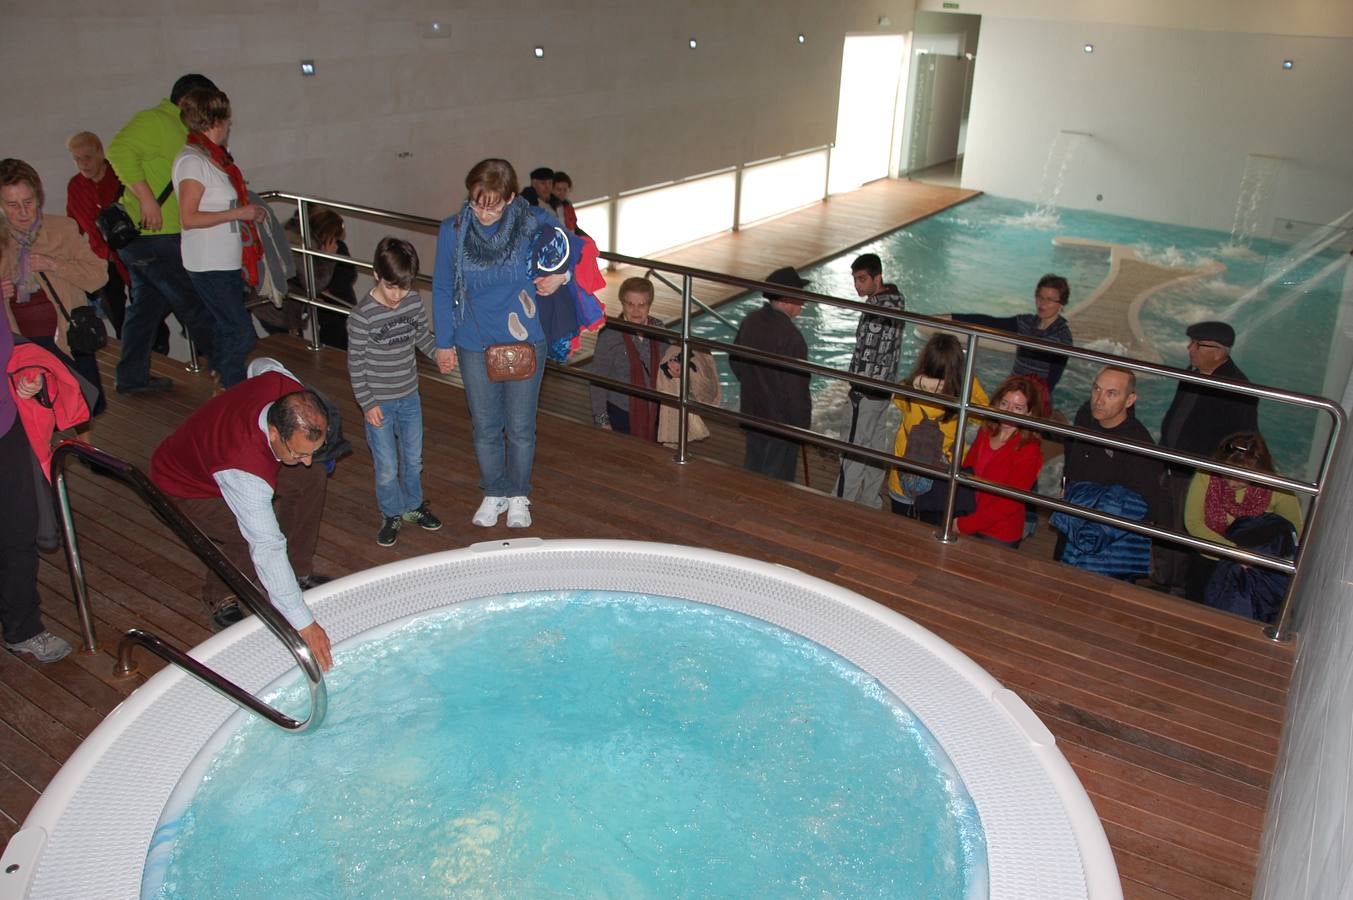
(142, 154)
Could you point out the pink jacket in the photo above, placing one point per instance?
(68, 402)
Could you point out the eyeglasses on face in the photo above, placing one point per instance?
(1210, 345)
(1239, 447)
(299, 457)
(479, 204)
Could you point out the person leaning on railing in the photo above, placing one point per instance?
(1007, 454)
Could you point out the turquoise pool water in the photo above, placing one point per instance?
(580, 744)
(986, 255)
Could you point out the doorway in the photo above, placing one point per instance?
(872, 69)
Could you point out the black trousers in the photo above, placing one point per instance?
(19, 615)
(771, 455)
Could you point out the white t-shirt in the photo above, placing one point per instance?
(218, 248)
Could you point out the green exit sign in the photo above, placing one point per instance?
(951, 6)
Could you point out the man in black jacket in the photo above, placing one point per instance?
(1196, 422)
(770, 391)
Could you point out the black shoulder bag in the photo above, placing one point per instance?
(85, 332)
(116, 225)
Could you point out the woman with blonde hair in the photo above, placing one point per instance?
(45, 264)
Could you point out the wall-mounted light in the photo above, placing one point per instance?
(802, 37)
(693, 43)
(437, 30)
(1287, 64)
(539, 52)
(307, 67)
(969, 56)
(1089, 48)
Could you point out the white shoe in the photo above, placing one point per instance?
(489, 511)
(518, 512)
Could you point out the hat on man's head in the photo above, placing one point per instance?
(786, 276)
(1216, 332)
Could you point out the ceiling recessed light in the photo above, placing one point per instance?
(693, 43)
(1089, 48)
(1287, 64)
(802, 37)
(539, 52)
(307, 67)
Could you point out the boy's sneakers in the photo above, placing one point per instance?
(47, 647)
(518, 512)
(489, 511)
(389, 532)
(423, 518)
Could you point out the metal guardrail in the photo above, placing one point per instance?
(971, 333)
(204, 549)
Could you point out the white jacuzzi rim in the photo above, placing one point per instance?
(1089, 842)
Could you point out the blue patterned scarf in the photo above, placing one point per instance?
(478, 250)
(24, 283)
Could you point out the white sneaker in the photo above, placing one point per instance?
(47, 647)
(489, 511)
(518, 512)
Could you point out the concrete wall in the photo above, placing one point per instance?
(1174, 113)
(394, 118)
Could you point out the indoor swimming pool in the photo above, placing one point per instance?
(986, 255)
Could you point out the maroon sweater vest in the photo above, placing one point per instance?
(221, 434)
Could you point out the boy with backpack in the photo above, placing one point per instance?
(385, 328)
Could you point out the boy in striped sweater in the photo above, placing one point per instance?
(385, 328)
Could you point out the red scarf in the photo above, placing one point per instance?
(1220, 507)
(253, 244)
(643, 413)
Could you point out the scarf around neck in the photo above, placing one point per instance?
(1221, 508)
(25, 285)
(253, 243)
(502, 244)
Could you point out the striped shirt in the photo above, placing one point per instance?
(381, 344)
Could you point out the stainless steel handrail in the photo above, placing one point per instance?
(972, 333)
(204, 549)
(694, 299)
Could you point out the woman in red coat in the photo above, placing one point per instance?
(1007, 455)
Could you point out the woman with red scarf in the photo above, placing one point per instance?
(221, 247)
(628, 357)
(1214, 502)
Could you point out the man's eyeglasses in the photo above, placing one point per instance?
(1210, 345)
(299, 457)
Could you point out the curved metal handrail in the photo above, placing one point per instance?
(204, 549)
(972, 333)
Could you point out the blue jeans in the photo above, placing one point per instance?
(223, 294)
(159, 285)
(397, 455)
(504, 417)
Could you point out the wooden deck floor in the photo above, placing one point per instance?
(1169, 713)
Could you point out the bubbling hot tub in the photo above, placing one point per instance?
(89, 833)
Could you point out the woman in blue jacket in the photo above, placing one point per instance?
(484, 291)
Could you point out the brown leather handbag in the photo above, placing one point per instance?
(510, 362)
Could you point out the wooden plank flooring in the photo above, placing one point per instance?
(1170, 713)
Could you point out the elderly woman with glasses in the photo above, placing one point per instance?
(495, 257)
(44, 262)
(1216, 502)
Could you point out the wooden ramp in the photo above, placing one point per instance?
(1170, 713)
(1110, 318)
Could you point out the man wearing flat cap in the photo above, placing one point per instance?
(769, 391)
(1196, 422)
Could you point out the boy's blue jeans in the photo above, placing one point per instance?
(397, 455)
